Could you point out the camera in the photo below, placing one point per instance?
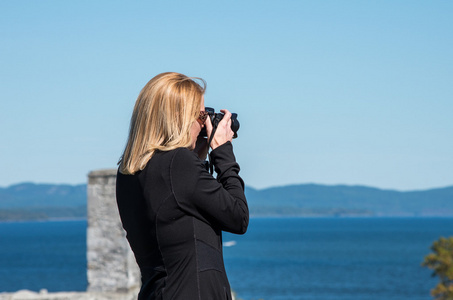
(215, 120)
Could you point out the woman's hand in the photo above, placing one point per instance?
(223, 133)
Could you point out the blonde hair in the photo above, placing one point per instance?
(163, 114)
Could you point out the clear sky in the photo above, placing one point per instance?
(328, 92)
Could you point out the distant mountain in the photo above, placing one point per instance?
(29, 201)
(315, 199)
(32, 195)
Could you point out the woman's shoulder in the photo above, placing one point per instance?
(185, 155)
(186, 159)
(181, 151)
(178, 156)
(172, 161)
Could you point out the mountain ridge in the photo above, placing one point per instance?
(369, 200)
(28, 200)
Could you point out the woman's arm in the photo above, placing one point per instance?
(220, 202)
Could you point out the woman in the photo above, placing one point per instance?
(172, 209)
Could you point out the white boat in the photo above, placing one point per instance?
(229, 243)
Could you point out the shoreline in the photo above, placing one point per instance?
(44, 220)
(262, 217)
(43, 294)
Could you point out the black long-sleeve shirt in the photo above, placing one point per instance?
(174, 213)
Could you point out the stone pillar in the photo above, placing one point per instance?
(111, 263)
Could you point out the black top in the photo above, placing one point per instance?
(174, 213)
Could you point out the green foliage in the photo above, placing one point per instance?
(441, 261)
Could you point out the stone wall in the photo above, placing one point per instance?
(112, 271)
(111, 263)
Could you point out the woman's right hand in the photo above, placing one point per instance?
(223, 132)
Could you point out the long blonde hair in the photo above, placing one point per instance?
(163, 114)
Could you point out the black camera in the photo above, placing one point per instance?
(215, 120)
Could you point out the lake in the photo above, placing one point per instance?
(278, 258)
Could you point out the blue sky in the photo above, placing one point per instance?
(328, 92)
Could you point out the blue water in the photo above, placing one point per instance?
(37, 255)
(334, 258)
(279, 258)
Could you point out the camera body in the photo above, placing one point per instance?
(215, 120)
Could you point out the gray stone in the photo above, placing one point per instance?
(112, 271)
(111, 263)
(29, 295)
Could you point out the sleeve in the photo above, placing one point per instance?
(220, 202)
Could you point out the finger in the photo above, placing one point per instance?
(226, 112)
(208, 125)
(227, 116)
